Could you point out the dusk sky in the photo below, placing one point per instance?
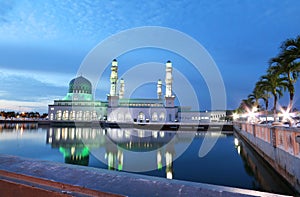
(43, 43)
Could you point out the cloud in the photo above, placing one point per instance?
(5, 9)
(15, 105)
(3, 93)
(30, 90)
(49, 78)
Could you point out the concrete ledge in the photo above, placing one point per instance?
(112, 182)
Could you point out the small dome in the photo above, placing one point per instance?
(80, 85)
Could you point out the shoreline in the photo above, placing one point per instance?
(173, 126)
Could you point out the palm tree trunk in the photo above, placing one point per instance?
(274, 108)
(266, 112)
(291, 102)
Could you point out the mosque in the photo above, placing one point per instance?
(79, 105)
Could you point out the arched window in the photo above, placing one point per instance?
(128, 117)
(94, 116)
(162, 116)
(58, 115)
(72, 115)
(86, 115)
(141, 116)
(66, 115)
(120, 117)
(79, 115)
(154, 116)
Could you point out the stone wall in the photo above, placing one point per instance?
(277, 145)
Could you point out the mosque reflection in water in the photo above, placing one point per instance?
(76, 144)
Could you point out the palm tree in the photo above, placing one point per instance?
(284, 66)
(293, 46)
(262, 93)
(245, 105)
(274, 84)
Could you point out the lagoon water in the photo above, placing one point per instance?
(173, 155)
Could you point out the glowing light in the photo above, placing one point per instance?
(239, 150)
(285, 114)
(251, 115)
(236, 142)
(169, 175)
(235, 116)
(254, 109)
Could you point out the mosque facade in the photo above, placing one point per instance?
(79, 104)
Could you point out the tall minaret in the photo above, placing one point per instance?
(114, 78)
(159, 90)
(169, 79)
(122, 88)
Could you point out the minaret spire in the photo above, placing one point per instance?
(159, 90)
(122, 88)
(169, 79)
(114, 78)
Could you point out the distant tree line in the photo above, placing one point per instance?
(281, 75)
(12, 114)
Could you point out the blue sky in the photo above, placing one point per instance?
(42, 43)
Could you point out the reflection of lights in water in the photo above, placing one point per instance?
(154, 134)
(94, 134)
(50, 140)
(236, 142)
(141, 133)
(127, 134)
(239, 149)
(110, 161)
(57, 136)
(169, 175)
(162, 134)
(215, 134)
(120, 134)
(159, 160)
(72, 136)
(120, 160)
(72, 150)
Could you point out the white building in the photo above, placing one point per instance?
(78, 104)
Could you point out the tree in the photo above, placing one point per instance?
(245, 105)
(285, 67)
(290, 66)
(262, 93)
(274, 84)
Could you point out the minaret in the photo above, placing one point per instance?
(159, 90)
(122, 88)
(114, 78)
(169, 79)
(169, 98)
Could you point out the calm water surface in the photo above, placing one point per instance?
(173, 155)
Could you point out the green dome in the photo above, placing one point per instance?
(80, 85)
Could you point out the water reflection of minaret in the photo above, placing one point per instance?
(113, 154)
(170, 153)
